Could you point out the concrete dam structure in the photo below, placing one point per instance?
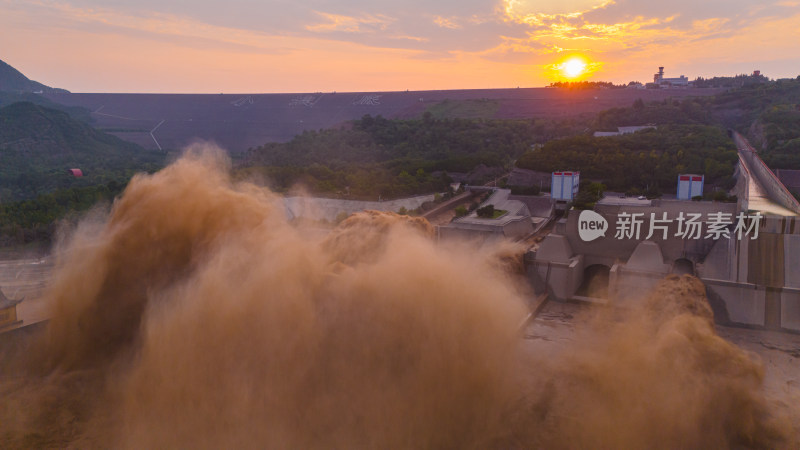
(746, 254)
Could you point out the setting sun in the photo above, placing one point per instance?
(573, 67)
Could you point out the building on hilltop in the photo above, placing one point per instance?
(623, 130)
(663, 82)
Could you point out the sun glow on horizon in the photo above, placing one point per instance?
(574, 67)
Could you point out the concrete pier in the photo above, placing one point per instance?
(747, 254)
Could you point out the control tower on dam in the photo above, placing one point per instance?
(746, 253)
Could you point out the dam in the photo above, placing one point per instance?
(746, 253)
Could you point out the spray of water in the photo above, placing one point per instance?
(655, 376)
(196, 315)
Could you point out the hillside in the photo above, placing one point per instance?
(38, 145)
(12, 80)
(767, 112)
(645, 162)
(773, 124)
(238, 122)
(16, 87)
(77, 112)
(375, 156)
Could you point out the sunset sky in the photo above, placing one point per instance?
(369, 45)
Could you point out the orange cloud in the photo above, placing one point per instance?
(390, 46)
(446, 23)
(349, 24)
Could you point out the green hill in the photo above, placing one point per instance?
(375, 156)
(16, 87)
(645, 162)
(77, 112)
(12, 80)
(38, 145)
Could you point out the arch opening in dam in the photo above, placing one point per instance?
(683, 266)
(595, 281)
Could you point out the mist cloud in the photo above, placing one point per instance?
(196, 315)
